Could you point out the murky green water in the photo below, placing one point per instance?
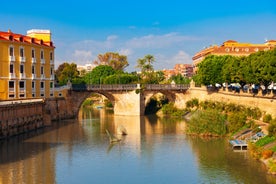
(154, 151)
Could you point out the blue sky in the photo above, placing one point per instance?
(172, 31)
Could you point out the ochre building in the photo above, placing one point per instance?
(26, 65)
(233, 48)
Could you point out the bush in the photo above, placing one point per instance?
(168, 109)
(236, 121)
(267, 118)
(192, 103)
(208, 122)
(272, 128)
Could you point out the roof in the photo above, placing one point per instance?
(10, 36)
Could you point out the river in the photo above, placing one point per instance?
(156, 150)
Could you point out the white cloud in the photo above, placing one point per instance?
(111, 37)
(157, 41)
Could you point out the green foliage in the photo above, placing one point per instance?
(265, 140)
(180, 79)
(168, 109)
(236, 121)
(155, 104)
(66, 72)
(98, 74)
(87, 102)
(272, 128)
(123, 78)
(194, 102)
(267, 118)
(257, 68)
(207, 122)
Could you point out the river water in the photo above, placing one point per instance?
(156, 150)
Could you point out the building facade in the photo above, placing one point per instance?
(233, 48)
(26, 65)
(186, 70)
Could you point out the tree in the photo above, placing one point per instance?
(66, 72)
(98, 74)
(147, 70)
(113, 59)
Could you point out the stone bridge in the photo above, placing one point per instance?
(127, 99)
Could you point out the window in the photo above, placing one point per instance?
(42, 70)
(11, 51)
(41, 54)
(51, 85)
(11, 89)
(51, 56)
(22, 68)
(11, 68)
(42, 85)
(21, 84)
(33, 85)
(52, 71)
(21, 52)
(11, 84)
(33, 69)
(33, 53)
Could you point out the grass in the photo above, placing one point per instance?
(264, 141)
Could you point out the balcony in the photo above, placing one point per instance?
(12, 76)
(42, 61)
(33, 76)
(22, 75)
(42, 77)
(52, 77)
(22, 59)
(33, 60)
(11, 58)
(52, 62)
(22, 92)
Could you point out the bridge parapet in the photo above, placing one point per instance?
(172, 87)
(118, 87)
(103, 87)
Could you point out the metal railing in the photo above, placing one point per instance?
(116, 87)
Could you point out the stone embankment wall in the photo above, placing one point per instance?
(267, 103)
(20, 117)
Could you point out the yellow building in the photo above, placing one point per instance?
(26, 65)
(234, 48)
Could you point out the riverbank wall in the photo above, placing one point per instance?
(265, 102)
(23, 116)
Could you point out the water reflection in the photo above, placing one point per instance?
(156, 150)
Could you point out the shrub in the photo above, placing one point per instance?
(272, 128)
(192, 103)
(236, 121)
(168, 108)
(207, 122)
(267, 118)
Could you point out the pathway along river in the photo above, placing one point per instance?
(154, 151)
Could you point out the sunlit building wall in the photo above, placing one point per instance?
(26, 65)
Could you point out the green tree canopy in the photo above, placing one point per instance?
(98, 74)
(66, 72)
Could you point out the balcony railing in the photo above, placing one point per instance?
(42, 61)
(22, 75)
(33, 76)
(42, 77)
(52, 62)
(33, 60)
(12, 75)
(22, 59)
(11, 58)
